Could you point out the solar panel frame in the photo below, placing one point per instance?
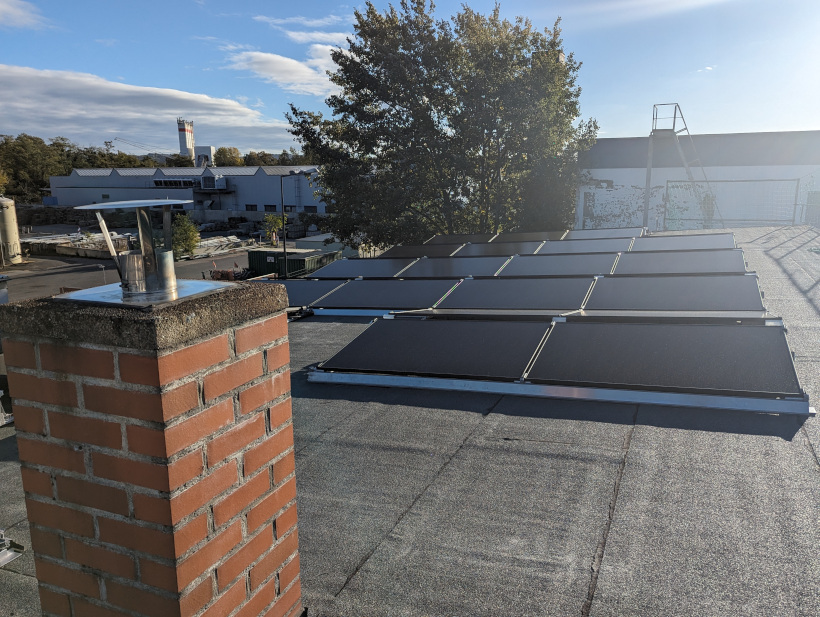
(503, 249)
(584, 264)
(366, 268)
(304, 292)
(603, 245)
(460, 238)
(388, 294)
(614, 232)
(420, 250)
(687, 242)
(670, 263)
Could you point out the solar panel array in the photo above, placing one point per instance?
(605, 315)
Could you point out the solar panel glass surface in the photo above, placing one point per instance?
(460, 238)
(685, 242)
(303, 292)
(559, 265)
(420, 250)
(454, 267)
(368, 268)
(388, 294)
(589, 234)
(529, 236)
(561, 294)
(502, 248)
(605, 245)
(720, 261)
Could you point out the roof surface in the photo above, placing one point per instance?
(416, 503)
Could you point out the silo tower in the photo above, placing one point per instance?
(186, 138)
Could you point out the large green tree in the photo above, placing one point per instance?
(227, 157)
(466, 125)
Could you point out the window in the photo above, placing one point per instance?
(311, 209)
(270, 208)
(106, 196)
(251, 207)
(290, 208)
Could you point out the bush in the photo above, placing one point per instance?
(185, 236)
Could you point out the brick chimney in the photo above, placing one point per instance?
(156, 450)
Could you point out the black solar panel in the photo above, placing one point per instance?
(352, 268)
(499, 350)
(684, 243)
(529, 236)
(677, 293)
(589, 234)
(420, 250)
(502, 248)
(460, 238)
(559, 265)
(707, 359)
(605, 245)
(562, 294)
(303, 292)
(454, 267)
(720, 261)
(388, 294)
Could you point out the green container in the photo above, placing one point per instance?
(303, 265)
(263, 261)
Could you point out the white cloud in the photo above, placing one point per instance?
(333, 38)
(89, 110)
(615, 12)
(307, 22)
(306, 77)
(20, 14)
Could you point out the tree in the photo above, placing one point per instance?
(466, 125)
(4, 180)
(178, 160)
(260, 158)
(271, 224)
(227, 157)
(184, 236)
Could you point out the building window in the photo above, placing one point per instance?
(290, 208)
(270, 208)
(251, 207)
(311, 209)
(106, 196)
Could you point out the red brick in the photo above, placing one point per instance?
(140, 600)
(54, 603)
(190, 535)
(202, 425)
(36, 482)
(141, 405)
(194, 600)
(42, 389)
(261, 334)
(273, 560)
(237, 438)
(244, 557)
(289, 572)
(278, 357)
(50, 455)
(283, 467)
(142, 370)
(29, 420)
(285, 521)
(185, 469)
(269, 506)
(67, 578)
(232, 376)
(148, 475)
(86, 609)
(59, 517)
(144, 440)
(152, 509)
(189, 360)
(211, 553)
(46, 543)
(158, 575)
(261, 394)
(92, 495)
(227, 602)
(204, 491)
(280, 413)
(100, 558)
(259, 600)
(77, 361)
(19, 354)
(142, 539)
(85, 430)
(241, 498)
(261, 454)
(290, 599)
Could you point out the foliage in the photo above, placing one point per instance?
(467, 125)
(178, 160)
(260, 158)
(184, 236)
(4, 180)
(271, 224)
(227, 157)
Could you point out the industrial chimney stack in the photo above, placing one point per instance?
(186, 138)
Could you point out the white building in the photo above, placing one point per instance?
(218, 193)
(756, 179)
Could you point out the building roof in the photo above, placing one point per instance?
(416, 502)
(730, 149)
(93, 172)
(286, 170)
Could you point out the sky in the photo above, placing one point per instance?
(95, 70)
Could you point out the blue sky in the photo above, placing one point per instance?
(96, 70)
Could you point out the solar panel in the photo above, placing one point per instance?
(502, 248)
(303, 292)
(559, 265)
(421, 250)
(720, 261)
(589, 234)
(561, 295)
(529, 236)
(454, 267)
(707, 359)
(388, 294)
(499, 350)
(678, 293)
(684, 243)
(460, 238)
(604, 245)
(368, 268)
